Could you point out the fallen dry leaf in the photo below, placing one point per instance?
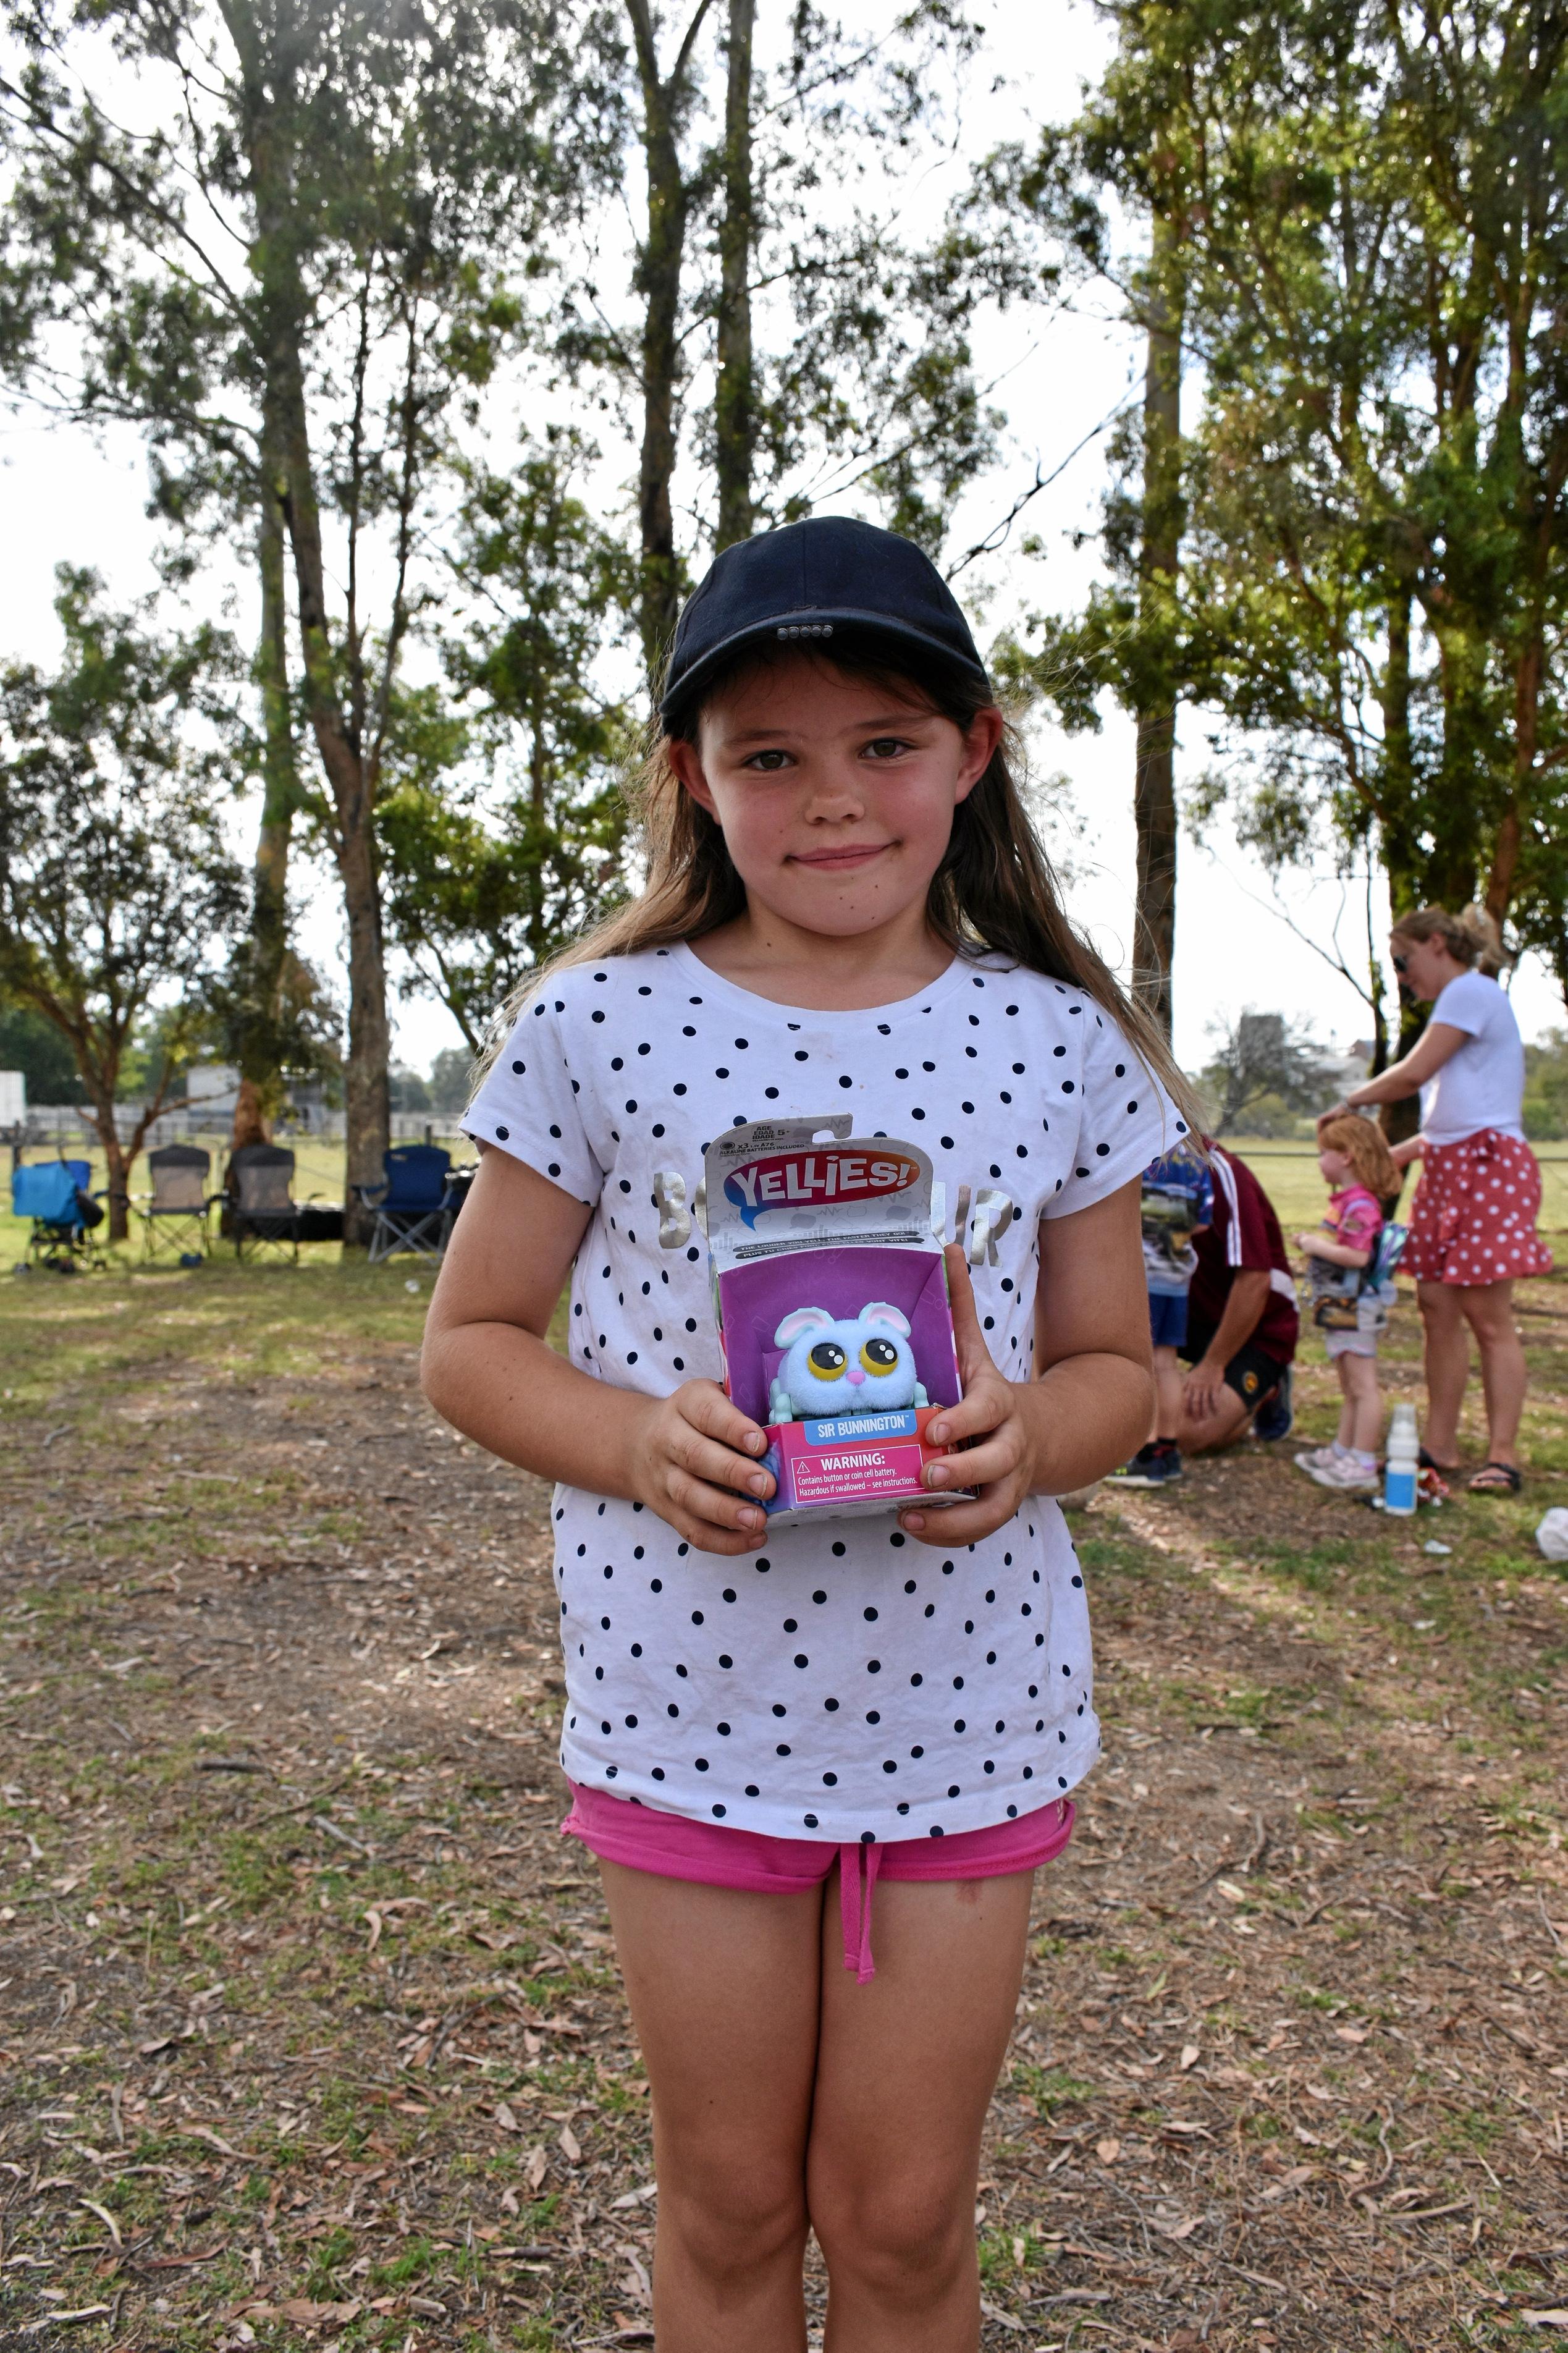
(534, 2171)
(571, 2146)
(1190, 2055)
(1107, 2151)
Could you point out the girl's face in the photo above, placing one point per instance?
(836, 795)
(1336, 1169)
(1427, 968)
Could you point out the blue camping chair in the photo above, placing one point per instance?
(54, 1195)
(414, 1206)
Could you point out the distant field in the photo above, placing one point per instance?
(1288, 1173)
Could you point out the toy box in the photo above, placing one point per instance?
(831, 1296)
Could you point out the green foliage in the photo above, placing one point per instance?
(1545, 1087)
(492, 866)
(115, 884)
(41, 1052)
(1367, 232)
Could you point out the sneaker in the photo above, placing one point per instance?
(1275, 1417)
(1322, 1458)
(1154, 1465)
(1346, 1476)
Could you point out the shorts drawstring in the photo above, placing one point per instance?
(857, 1867)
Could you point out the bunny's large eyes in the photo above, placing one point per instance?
(827, 1359)
(880, 1356)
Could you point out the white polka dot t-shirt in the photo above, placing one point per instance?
(845, 1683)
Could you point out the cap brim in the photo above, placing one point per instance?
(821, 630)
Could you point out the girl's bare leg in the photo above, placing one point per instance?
(1363, 1403)
(905, 2072)
(724, 1991)
(1345, 1434)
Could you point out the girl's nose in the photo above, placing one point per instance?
(855, 1377)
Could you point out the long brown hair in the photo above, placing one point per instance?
(995, 890)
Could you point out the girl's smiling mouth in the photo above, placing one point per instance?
(844, 860)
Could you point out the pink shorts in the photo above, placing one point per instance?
(623, 1831)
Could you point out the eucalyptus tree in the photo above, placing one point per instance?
(296, 284)
(117, 892)
(505, 826)
(782, 343)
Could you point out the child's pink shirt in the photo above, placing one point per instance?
(1355, 1218)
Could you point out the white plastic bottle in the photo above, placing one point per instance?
(1402, 1463)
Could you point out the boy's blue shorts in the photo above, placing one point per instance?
(1167, 1318)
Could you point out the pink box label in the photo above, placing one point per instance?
(856, 1471)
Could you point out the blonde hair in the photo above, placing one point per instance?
(1470, 937)
(995, 890)
(1365, 1147)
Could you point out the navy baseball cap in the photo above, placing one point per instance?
(827, 579)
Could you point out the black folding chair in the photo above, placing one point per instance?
(263, 1215)
(176, 1212)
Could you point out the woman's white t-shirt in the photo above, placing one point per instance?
(846, 1683)
(1482, 1083)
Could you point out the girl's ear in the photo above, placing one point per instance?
(981, 739)
(686, 761)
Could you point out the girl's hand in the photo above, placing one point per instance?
(1308, 1242)
(695, 1464)
(1002, 1466)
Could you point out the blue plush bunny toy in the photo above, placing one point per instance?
(862, 1365)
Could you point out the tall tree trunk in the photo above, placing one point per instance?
(284, 311)
(1155, 787)
(658, 281)
(1402, 853)
(734, 413)
(258, 1077)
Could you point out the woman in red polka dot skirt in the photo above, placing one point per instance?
(1472, 1231)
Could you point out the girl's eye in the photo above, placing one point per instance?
(886, 747)
(880, 1356)
(769, 763)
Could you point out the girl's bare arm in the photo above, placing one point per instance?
(488, 1368)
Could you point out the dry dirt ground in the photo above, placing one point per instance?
(310, 2033)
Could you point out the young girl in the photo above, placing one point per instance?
(846, 911)
(1360, 1175)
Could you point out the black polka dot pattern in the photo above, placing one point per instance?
(748, 1692)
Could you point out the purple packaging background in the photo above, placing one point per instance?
(755, 1298)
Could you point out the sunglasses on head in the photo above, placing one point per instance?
(1400, 965)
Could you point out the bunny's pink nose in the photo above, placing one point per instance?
(855, 1376)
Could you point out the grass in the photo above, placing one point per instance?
(232, 1532)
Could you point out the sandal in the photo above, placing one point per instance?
(1430, 1462)
(1496, 1478)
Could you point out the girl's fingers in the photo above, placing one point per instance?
(721, 1466)
(982, 1407)
(705, 1406)
(715, 1507)
(969, 1339)
(959, 1523)
(977, 1466)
